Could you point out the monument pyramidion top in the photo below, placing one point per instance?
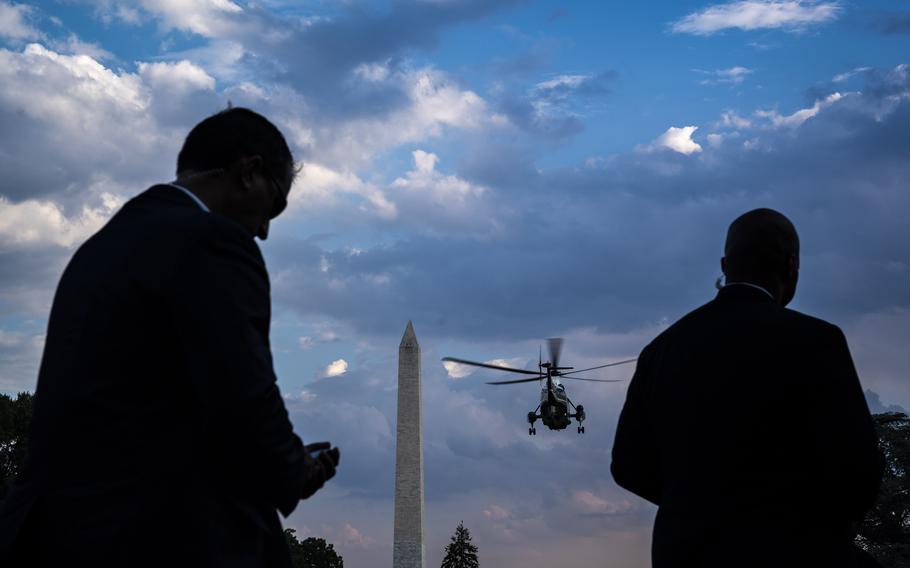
(409, 339)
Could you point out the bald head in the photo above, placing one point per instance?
(763, 248)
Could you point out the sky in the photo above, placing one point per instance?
(497, 172)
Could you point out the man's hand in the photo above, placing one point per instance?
(322, 466)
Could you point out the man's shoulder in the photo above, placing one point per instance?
(159, 231)
(165, 201)
(171, 216)
(694, 318)
(811, 326)
(807, 320)
(712, 315)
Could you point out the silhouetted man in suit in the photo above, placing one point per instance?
(159, 435)
(746, 424)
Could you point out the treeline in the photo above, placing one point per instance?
(885, 532)
(15, 416)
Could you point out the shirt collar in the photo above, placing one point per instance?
(192, 195)
(751, 285)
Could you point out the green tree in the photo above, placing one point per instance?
(312, 552)
(885, 532)
(460, 553)
(15, 416)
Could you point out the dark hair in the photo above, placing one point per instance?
(225, 137)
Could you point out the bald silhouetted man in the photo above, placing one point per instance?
(745, 422)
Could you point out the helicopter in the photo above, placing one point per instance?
(553, 409)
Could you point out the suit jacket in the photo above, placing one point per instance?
(159, 434)
(746, 424)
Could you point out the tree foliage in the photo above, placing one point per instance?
(885, 532)
(15, 416)
(460, 553)
(312, 552)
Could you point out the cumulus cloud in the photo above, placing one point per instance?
(789, 15)
(423, 198)
(372, 72)
(460, 370)
(368, 98)
(181, 77)
(676, 139)
(447, 190)
(500, 286)
(336, 368)
(92, 81)
(320, 187)
(209, 18)
(133, 121)
(438, 101)
(439, 202)
(14, 23)
(36, 222)
(428, 104)
(74, 45)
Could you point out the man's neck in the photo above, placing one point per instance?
(751, 285)
(202, 205)
(202, 190)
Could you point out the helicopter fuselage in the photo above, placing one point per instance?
(554, 408)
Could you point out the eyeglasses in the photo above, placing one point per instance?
(279, 201)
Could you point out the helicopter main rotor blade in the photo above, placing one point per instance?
(554, 345)
(592, 380)
(516, 381)
(603, 366)
(489, 366)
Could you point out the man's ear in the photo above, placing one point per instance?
(793, 265)
(248, 166)
(723, 264)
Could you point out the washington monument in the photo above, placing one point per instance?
(409, 549)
